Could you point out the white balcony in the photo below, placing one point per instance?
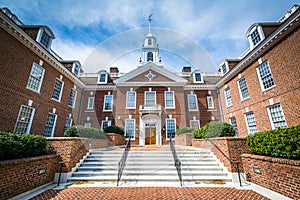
(150, 109)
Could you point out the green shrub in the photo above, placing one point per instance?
(215, 129)
(114, 129)
(85, 132)
(13, 146)
(283, 143)
(183, 130)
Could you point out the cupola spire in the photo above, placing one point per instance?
(149, 24)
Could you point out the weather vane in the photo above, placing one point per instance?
(149, 20)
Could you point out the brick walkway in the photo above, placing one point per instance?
(146, 193)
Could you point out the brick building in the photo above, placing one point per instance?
(39, 91)
(257, 91)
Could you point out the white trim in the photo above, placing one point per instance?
(133, 128)
(260, 33)
(99, 76)
(173, 99)
(88, 125)
(92, 99)
(270, 117)
(112, 103)
(75, 96)
(30, 121)
(194, 77)
(108, 124)
(146, 99)
(240, 92)
(260, 78)
(196, 109)
(247, 124)
(167, 127)
(133, 107)
(210, 98)
(226, 100)
(73, 68)
(41, 81)
(225, 62)
(61, 90)
(54, 124)
(39, 37)
(195, 120)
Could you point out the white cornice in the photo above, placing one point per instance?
(201, 87)
(264, 46)
(26, 40)
(139, 84)
(100, 87)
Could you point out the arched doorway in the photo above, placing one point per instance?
(150, 130)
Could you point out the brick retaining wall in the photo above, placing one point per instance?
(184, 139)
(232, 147)
(21, 175)
(277, 174)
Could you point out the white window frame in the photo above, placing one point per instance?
(90, 103)
(260, 33)
(210, 99)
(260, 78)
(104, 102)
(75, 65)
(282, 116)
(194, 120)
(53, 126)
(240, 91)
(127, 100)
(248, 125)
(227, 97)
(147, 99)
(20, 120)
(31, 76)
(108, 124)
(194, 77)
(173, 119)
(74, 98)
(99, 76)
(189, 107)
(87, 125)
(234, 125)
(68, 125)
(125, 131)
(39, 37)
(61, 90)
(222, 68)
(173, 100)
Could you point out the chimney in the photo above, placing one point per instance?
(186, 69)
(114, 70)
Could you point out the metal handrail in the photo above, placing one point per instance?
(62, 164)
(232, 161)
(122, 161)
(177, 162)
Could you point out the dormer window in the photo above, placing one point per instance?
(45, 37)
(102, 77)
(255, 35)
(224, 68)
(197, 76)
(76, 69)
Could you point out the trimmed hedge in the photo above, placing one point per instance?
(215, 129)
(282, 143)
(81, 131)
(14, 146)
(114, 129)
(183, 130)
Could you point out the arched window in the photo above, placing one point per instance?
(149, 42)
(149, 56)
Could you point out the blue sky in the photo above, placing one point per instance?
(217, 27)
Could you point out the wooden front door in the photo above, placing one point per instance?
(150, 135)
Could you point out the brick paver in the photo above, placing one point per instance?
(147, 193)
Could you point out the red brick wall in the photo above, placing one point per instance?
(279, 175)
(16, 62)
(184, 139)
(21, 175)
(232, 147)
(116, 139)
(284, 63)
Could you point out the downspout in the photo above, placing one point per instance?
(220, 105)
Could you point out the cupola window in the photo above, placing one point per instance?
(149, 42)
(150, 57)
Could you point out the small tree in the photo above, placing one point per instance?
(71, 132)
(215, 129)
(183, 130)
(114, 129)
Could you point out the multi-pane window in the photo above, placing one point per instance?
(170, 128)
(72, 98)
(276, 116)
(169, 99)
(45, 39)
(150, 98)
(102, 77)
(36, 78)
(90, 103)
(50, 125)
(130, 99)
(195, 124)
(130, 128)
(105, 123)
(76, 69)
(24, 120)
(68, 123)
(232, 121)
(251, 124)
(87, 125)
(149, 57)
(57, 91)
(255, 37)
(108, 103)
(243, 88)
(265, 76)
(197, 77)
(228, 97)
(224, 68)
(192, 102)
(210, 102)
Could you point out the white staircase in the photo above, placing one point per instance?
(155, 168)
